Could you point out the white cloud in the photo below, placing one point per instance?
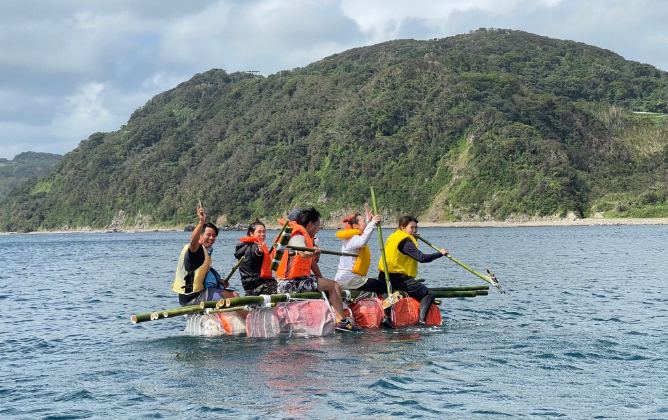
(383, 18)
(68, 69)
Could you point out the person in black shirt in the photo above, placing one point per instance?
(196, 281)
(256, 276)
(403, 256)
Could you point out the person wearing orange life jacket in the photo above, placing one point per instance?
(196, 281)
(352, 271)
(403, 256)
(256, 276)
(294, 271)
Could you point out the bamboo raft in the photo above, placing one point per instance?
(241, 303)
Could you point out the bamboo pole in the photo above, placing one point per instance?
(283, 239)
(322, 251)
(234, 309)
(226, 282)
(170, 313)
(382, 245)
(459, 289)
(489, 280)
(467, 293)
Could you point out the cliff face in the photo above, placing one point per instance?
(488, 124)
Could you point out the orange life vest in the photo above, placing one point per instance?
(265, 271)
(299, 267)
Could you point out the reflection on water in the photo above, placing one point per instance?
(580, 334)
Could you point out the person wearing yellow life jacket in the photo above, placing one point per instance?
(403, 256)
(256, 276)
(196, 281)
(352, 271)
(294, 271)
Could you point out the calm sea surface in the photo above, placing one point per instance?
(580, 334)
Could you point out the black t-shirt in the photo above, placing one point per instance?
(194, 260)
(407, 247)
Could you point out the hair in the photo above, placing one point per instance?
(351, 220)
(254, 225)
(308, 215)
(210, 225)
(405, 220)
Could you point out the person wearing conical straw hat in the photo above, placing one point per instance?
(196, 281)
(352, 271)
(255, 270)
(403, 257)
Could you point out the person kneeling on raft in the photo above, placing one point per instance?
(294, 271)
(352, 271)
(255, 271)
(196, 281)
(403, 256)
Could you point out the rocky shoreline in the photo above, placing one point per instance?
(552, 222)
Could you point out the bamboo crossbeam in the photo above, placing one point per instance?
(470, 293)
(152, 316)
(322, 251)
(458, 289)
(234, 309)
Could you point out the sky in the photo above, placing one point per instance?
(70, 68)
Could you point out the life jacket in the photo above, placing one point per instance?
(397, 262)
(299, 267)
(265, 271)
(282, 222)
(363, 260)
(199, 274)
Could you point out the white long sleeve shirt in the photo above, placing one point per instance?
(353, 245)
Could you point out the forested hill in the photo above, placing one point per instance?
(24, 166)
(494, 123)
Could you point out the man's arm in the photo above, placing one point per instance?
(315, 268)
(197, 232)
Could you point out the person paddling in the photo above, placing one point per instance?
(196, 281)
(294, 271)
(352, 271)
(256, 276)
(403, 256)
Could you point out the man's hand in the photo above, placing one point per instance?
(200, 213)
(377, 219)
(443, 251)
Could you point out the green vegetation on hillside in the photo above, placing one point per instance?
(489, 124)
(24, 166)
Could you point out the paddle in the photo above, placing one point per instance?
(491, 279)
(391, 299)
(322, 251)
(226, 282)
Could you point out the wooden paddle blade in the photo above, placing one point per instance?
(494, 281)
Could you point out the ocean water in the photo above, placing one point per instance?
(580, 334)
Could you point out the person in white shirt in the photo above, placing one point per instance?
(352, 271)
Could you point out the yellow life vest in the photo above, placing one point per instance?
(397, 262)
(363, 260)
(200, 274)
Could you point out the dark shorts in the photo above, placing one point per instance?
(298, 285)
(259, 286)
(208, 294)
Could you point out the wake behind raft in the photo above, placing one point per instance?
(302, 314)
